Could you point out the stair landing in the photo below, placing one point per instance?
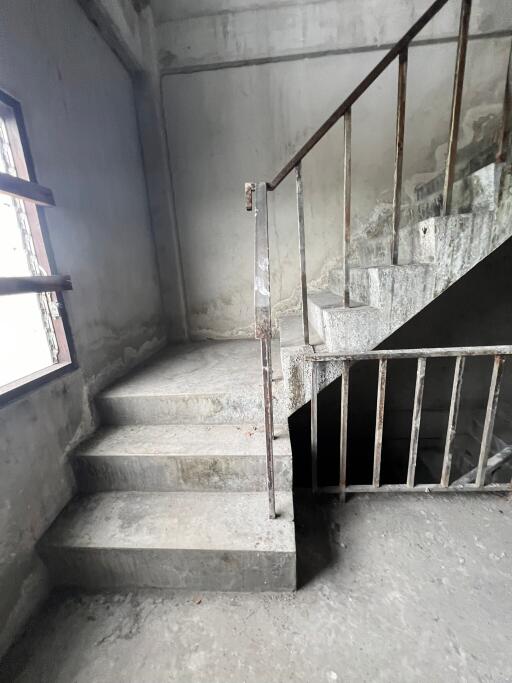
(212, 382)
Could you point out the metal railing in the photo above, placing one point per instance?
(460, 354)
(260, 190)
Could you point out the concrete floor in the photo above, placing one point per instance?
(394, 588)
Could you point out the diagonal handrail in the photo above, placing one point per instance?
(395, 51)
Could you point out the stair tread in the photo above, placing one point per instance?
(388, 266)
(326, 299)
(196, 369)
(188, 440)
(175, 521)
(290, 332)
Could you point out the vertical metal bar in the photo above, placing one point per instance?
(504, 140)
(452, 419)
(399, 152)
(490, 416)
(314, 427)
(458, 85)
(344, 423)
(416, 420)
(379, 421)
(266, 363)
(263, 328)
(302, 252)
(347, 182)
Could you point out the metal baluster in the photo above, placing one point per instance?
(314, 427)
(379, 421)
(452, 419)
(263, 328)
(490, 416)
(344, 423)
(302, 252)
(458, 84)
(507, 111)
(399, 152)
(416, 420)
(347, 182)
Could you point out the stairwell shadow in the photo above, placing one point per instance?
(317, 527)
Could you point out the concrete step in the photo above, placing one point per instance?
(210, 382)
(344, 329)
(182, 458)
(296, 372)
(206, 541)
(448, 247)
(475, 196)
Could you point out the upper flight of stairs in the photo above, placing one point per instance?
(432, 254)
(172, 486)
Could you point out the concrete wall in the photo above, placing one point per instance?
(245, 83)
(81, 120)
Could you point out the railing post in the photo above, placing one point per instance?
(458, 85)
(416, 421)
(379, 421)
(347, 181)
(263, 328)
(452, 419)
(504, 141)
(302, 252)
(399, 152)
(490, 416)
(314, 427)
(344, 427)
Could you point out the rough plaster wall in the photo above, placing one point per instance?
(230, 125)
(79, 112)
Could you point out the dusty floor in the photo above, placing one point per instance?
(402, 588)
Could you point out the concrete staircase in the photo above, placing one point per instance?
(173, 488)
(432, 254)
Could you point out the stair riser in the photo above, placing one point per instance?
(132, 410)
(167, 473)
(199, 570)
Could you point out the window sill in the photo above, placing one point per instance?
(21, 387)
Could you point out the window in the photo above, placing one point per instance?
(34, 336)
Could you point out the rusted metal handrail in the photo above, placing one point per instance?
(395, 51)
(499, 353)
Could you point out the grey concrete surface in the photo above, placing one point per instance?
(202, 33)
(182, 458)
(210, 541)
(215, 382)
(393, 589)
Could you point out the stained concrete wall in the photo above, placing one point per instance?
(245, 83)
(80, 115)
